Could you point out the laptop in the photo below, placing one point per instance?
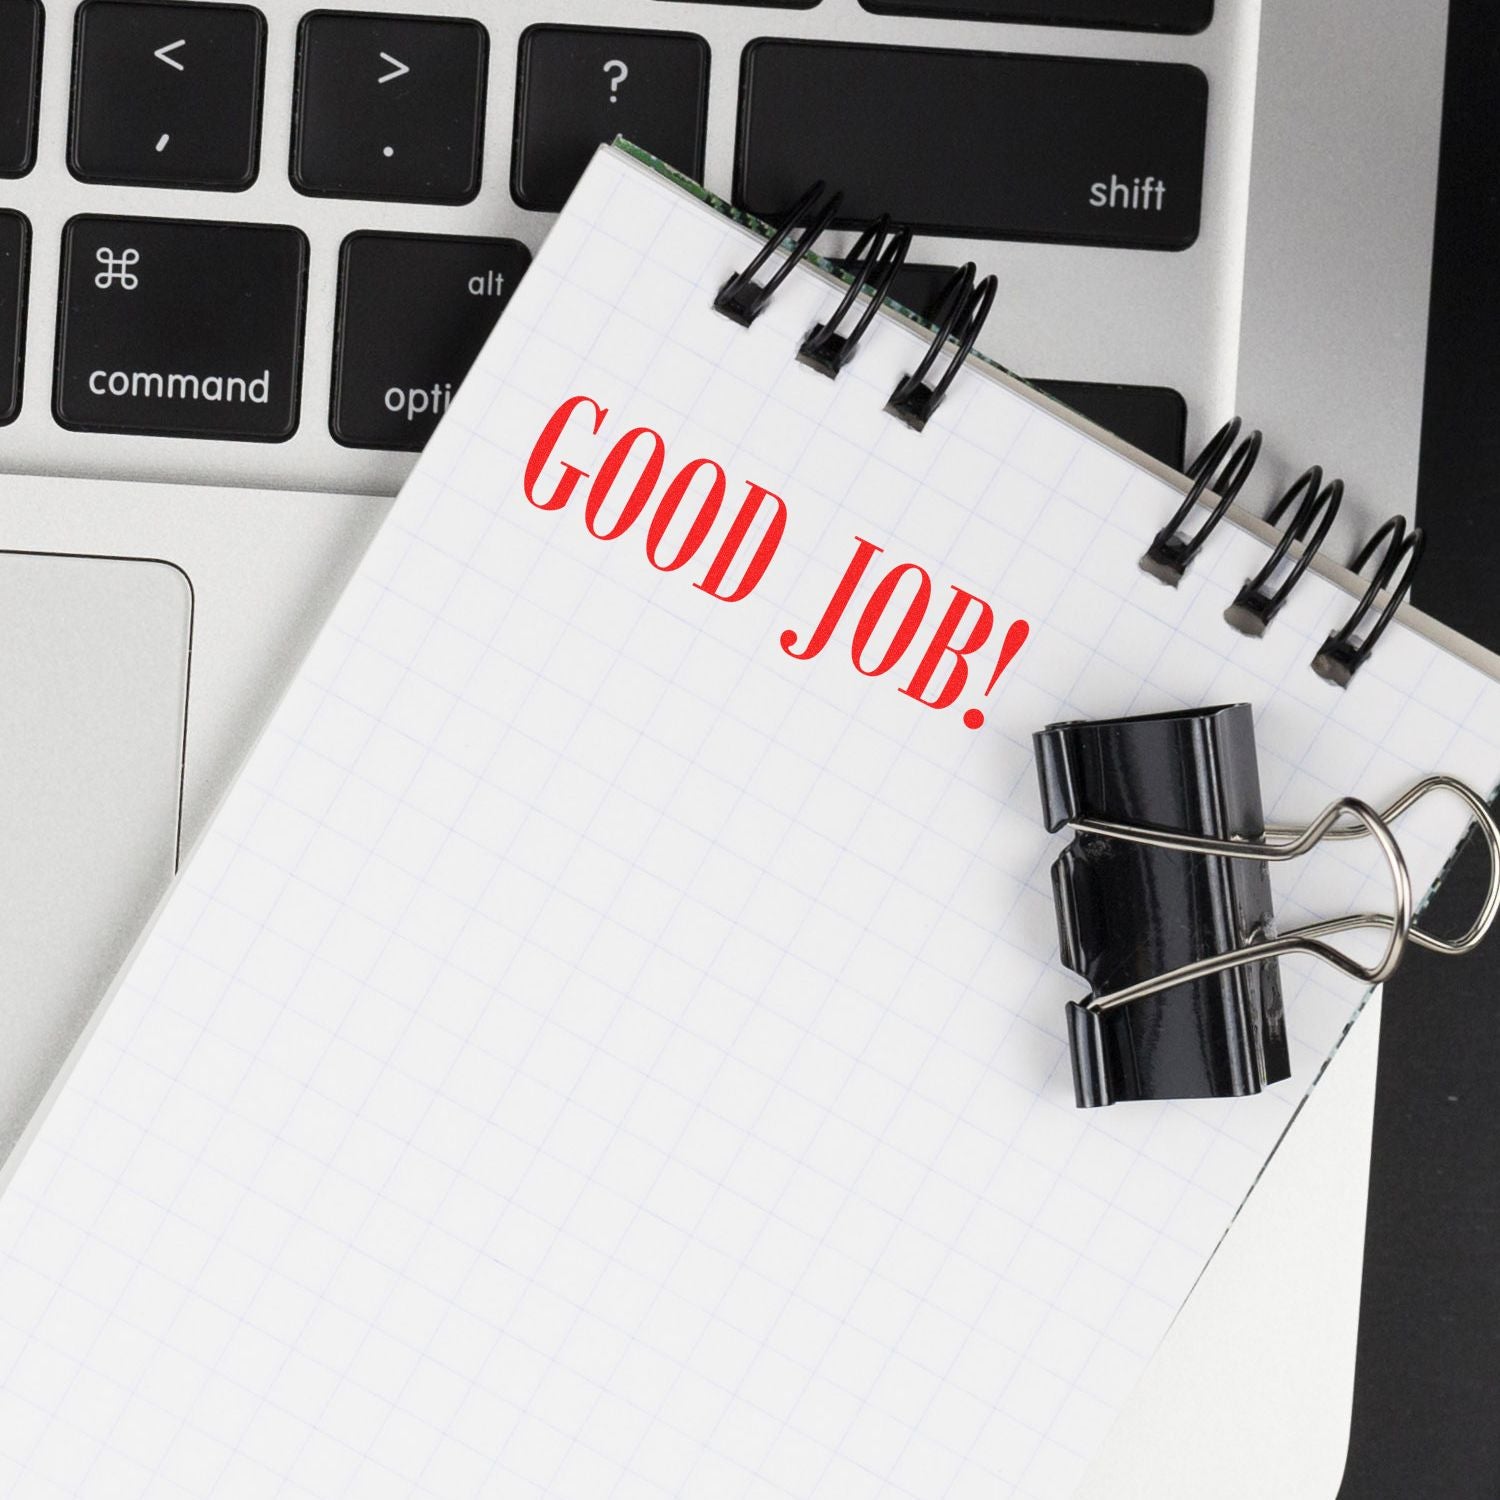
(247, 252)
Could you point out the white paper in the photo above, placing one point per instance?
(594, 1053)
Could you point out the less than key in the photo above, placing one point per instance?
(167, 95)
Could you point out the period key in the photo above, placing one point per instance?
(413, 312)
(180, 328)
(389, 106)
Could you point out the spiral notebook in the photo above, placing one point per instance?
(606, 1046)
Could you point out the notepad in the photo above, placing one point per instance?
(603, 1048)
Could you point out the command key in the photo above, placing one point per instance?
(180, 328)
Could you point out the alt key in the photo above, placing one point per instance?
(414, 311)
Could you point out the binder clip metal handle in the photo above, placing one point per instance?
(1206, 1019)
(1307, 939)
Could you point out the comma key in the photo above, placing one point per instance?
(180, 328)
(167, 95)
(414, 311)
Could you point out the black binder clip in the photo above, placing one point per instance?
(1164, 901)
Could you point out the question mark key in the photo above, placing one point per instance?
(581, 86)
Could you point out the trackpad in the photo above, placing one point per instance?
(93, 702)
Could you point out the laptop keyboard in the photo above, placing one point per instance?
(204, 328)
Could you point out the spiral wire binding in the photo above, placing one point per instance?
(879, 253)
(1257, 604)
(963, 309)
(1219, 472)
(1221, 469)
(1345, 650)
(742, 297)
(1171, 552)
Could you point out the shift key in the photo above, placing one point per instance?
(180, 328)
(1088, 151)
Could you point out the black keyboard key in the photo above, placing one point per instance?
(1152, 418)
(1124, 15)
(581, 85)
(180, 328)
(389, 107)
(15, 241)
(20, 77)
(996, 145)
(414, 310)
(167, 95)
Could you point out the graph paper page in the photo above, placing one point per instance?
(600, 1052)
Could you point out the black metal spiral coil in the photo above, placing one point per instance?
(1222, 473)
(742, 297)
(1257, 603)
(877, 257)
(961, 314)
(1215, 471)
(1346, 649)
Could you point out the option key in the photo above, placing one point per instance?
(414, 310)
